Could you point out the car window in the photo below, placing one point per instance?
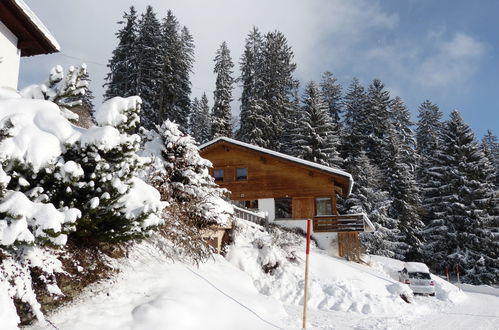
(420, 276)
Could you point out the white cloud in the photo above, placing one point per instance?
(322, 33)
(452, 62)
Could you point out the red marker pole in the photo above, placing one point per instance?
(458, 279)
(305, 293)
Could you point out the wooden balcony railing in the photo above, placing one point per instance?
(250, 215)
(342, 223)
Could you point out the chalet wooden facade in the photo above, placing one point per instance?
(286, 187)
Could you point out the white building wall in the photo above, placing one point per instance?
(10, 57)
(267, 205)
(326, 241)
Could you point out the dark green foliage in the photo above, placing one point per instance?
(177, 58)
(123, 65)
(153, 60)
(253, 118)
(355, 104)
(331, 96)
(315, 139)
(221, 114)
(200, 121)
(460, 232)
(367, 197)
(149, 66)
(268, 89)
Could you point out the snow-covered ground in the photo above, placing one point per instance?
(234, 293)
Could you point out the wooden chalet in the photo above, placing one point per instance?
(286, 188)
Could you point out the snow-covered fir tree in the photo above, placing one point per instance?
(355, 105)
(108, 184)
(200, 121)
(123, 65)
(400, 178)
(149, 66)
(331, 95)
(183, 71)
(222, 96)
(428, 146)
(278, 86)
(315, 139)
(252, 117)
(186, 181)
(178, 57)
(367, 197)
(490, 146)
(377, 123)
(460, 232)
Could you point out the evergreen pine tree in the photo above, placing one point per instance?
(367, 197)
(183, 71)
(378, 126)
(331, 94)
(253, 118)
(401, 184)
(355, 104)
(490, 146)
(123, 66)
(278, 86)
(200, 126)
(316, 140)
(149, 66)
(178, 57)
(187, 180)
(221, 114)
(463, 216)
(428, 147)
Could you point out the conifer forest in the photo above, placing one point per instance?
(429, 184)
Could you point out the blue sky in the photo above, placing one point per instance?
(444, 51)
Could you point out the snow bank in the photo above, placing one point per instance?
(335, 284)
(8, 313)
(30, 220)
(115, 111)
(142, 198)
(152, 293)
(444, 290)
(38, 134)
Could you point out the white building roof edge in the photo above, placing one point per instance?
(38, 23)
(284, 156)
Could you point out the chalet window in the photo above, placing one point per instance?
(249, 204)
(283, 208)
(241, 173)
(218, 174)
(323, 206)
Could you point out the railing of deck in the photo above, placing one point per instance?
(342, 223)
(250, 215)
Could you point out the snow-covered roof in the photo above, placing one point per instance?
(34, 37)
(416, 267)
(273, 153)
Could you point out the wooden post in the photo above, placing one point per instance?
(447, 273)
(305, 292)
(458, 279)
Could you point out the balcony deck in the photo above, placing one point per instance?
(347, 223)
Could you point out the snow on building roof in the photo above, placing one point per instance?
(416, 267)
(320, 167)
(33, 37)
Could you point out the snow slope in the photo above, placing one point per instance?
(153, 293)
